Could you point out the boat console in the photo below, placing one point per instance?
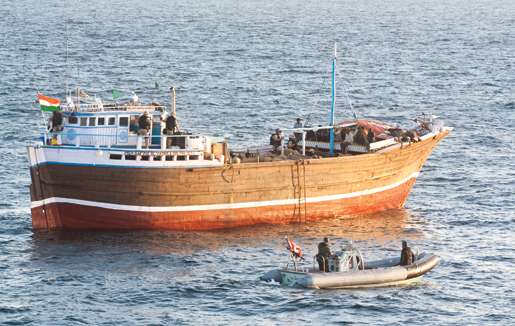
(348, 259)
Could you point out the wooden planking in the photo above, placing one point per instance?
(236, 183)
(73, 216)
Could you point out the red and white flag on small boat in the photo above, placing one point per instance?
(294, 248)
(47, 103)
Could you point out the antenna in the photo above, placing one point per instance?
(333, 104)
(66, 60)
(66, 56)
(78, 88)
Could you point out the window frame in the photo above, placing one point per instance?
(92, 121)
(72, 123)
(126, 125)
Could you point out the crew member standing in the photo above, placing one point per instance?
(144, 123)
(324, 252)
(276, 140)
(298, 125)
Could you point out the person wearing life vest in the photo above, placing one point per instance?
(57, 121)
(407, 255)
(298, 125)
(276, 139)
(171, 125)
(171, 128)
(144, 123)
(324, 252)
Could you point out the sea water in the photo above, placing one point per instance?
(242, 69)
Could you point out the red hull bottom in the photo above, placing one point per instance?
(74, 216)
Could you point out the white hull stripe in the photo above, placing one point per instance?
(188, 208)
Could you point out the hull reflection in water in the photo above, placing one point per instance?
(381, 228)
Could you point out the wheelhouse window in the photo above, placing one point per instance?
(101, 121)
(72, 120)
(83, 122)
(123, 122)
(92, 121)
(111, 121)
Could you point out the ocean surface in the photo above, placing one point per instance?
(241, 69)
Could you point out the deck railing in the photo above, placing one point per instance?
(98, 107)
(193, 142)
(302, 131)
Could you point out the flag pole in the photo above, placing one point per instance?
(333, 102)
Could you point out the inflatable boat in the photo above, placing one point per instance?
(347, 269)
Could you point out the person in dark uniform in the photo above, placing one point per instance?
(370, 136)
(171, 125)
(57, 121)
(144, 123)
(298, 125)
(171, 128)
(276, 140)
(360, 138)
(324, 252)
(407, 255)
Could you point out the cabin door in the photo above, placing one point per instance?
(123, 129)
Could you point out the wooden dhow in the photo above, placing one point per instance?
(129, 166)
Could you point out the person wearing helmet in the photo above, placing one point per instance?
(276, 140)
(298, 125)
(144, 123)
(407, 255)
(324, 252)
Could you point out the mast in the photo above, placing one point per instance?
(172, 95)
(333, 102)
(78, 88)
(173, 106)
(66, 59)
(66, 55)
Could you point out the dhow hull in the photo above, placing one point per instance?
(68, 195)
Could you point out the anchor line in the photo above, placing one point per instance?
(299, 191)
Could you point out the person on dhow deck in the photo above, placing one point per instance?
(276, 140)
(407, 255)
(324, 252)
(144, 127)
(298, 125)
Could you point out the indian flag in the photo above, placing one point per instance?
(48, 104)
